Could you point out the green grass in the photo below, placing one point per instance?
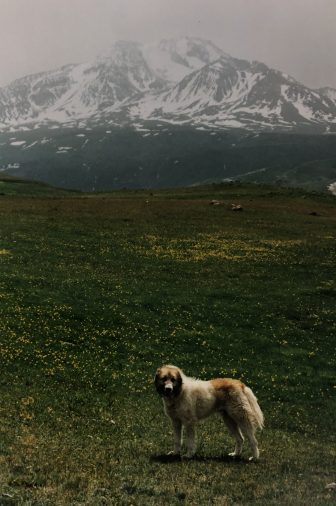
(97, 291)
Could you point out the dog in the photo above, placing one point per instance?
(187, 400)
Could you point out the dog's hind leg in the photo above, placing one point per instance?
(236, 433)
(253, 443)
(248, 430)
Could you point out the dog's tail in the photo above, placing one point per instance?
(255, 408)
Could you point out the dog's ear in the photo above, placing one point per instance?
(179, 382)
(157, 380)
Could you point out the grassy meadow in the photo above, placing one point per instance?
(97, 291)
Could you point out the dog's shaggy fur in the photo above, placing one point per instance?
(188, 400)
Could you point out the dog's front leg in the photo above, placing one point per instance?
(191, 440)
(177, 426)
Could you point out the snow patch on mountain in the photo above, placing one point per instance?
(329, 93)
(332, 188)
(17, 143)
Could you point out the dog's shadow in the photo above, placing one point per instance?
(170, 459)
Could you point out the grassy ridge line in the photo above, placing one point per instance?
(96, 292)
(13, 187)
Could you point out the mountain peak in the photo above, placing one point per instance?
(121, 51)
(173, 59)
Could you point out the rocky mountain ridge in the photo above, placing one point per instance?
(185, 81)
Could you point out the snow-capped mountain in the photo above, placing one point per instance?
(231, 92)
(179, 81)
(79, 91)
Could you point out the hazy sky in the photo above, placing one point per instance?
(295, 36)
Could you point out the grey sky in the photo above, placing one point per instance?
(295, 36)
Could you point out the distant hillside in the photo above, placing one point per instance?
(159, 155)
(16, 187)
(314, 175)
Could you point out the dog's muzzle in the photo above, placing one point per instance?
(168, 389)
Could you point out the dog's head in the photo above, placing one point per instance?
(168, 381)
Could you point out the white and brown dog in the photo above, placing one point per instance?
(188, 400)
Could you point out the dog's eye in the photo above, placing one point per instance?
(164, 378)
(173, 380)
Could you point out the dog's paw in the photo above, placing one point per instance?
(172, 453)
(234, 455)
(253, 459)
